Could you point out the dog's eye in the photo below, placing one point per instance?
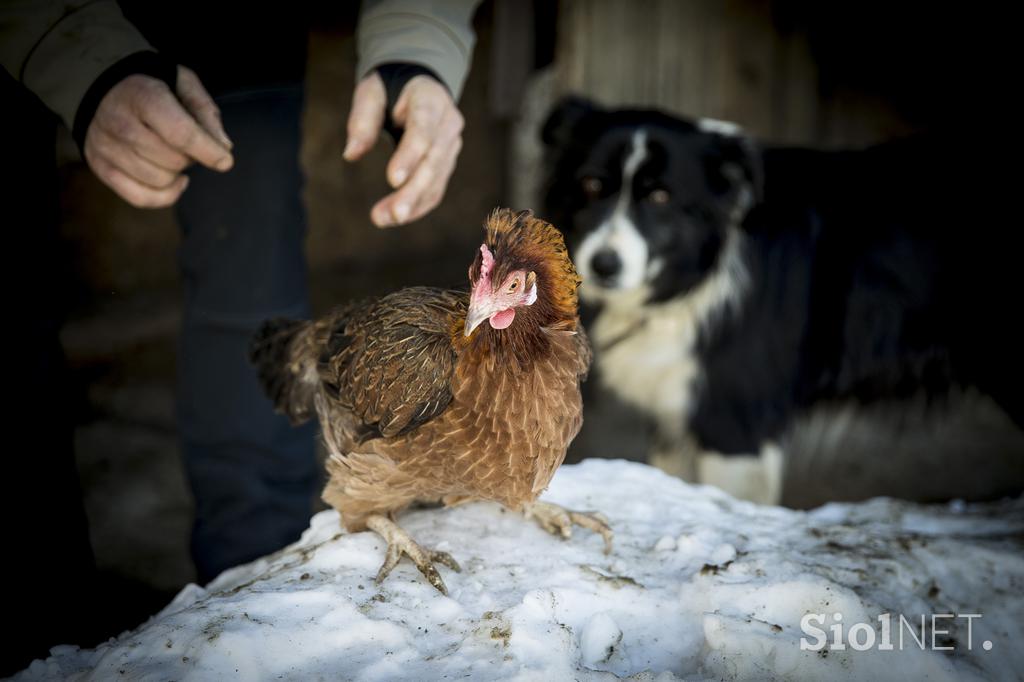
(659, 196)
(592, 186)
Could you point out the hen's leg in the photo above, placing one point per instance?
(559, 521)
(399, 543)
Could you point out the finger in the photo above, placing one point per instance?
(127, 159)
(132, 191)
(421, 127)
(437, 173)
(424, 191)
(162, 112)
(199, 103)
(131, 131)
(366, 117)
(419, 196)
(155, 150)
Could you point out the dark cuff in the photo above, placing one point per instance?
(395, 76)
(146, 63)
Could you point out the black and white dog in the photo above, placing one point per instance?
(737, 288)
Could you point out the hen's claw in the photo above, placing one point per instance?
(399, 543)
(559, 521)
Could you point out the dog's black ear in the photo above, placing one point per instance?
(564, 119)
(734, 169)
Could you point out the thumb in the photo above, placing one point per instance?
(367, 116)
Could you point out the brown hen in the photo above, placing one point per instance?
(442, 395)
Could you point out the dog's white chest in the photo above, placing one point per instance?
(646, 357)
(646, 353)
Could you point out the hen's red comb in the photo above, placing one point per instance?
(487, 263)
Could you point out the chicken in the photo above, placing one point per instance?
(433, 395)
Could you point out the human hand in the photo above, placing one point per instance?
(423, 163)
(143, 136)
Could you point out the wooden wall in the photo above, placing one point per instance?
(733, 60)
(726, 59)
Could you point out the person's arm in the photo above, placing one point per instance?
(437, 35)
(58, 49)
(139, 118)
(423, 51)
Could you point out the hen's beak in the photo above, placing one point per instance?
(477, 313)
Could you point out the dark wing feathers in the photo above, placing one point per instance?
(278, 350)
(387, 362)
(286, 353)
(390, 363)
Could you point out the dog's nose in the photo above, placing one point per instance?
(606, 263)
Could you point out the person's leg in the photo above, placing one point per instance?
(242, 260)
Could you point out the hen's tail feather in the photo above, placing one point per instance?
(286, 372)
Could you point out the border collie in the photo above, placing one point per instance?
(737, 288)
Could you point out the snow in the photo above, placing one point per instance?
(699, 586)
(599, 641)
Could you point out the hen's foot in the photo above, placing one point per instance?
(399, 543)
(559, 521)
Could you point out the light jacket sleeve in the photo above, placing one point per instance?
(57, 49)
(436, 34)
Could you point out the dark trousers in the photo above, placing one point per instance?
(47, 566)
(242, 260)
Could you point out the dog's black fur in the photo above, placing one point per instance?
(887, 273)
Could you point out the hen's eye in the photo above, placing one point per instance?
(592, 186)
(512, 287)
